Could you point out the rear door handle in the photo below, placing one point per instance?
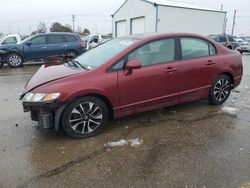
(65, 45)
(170, 70)
(210, 62)
(44, 47)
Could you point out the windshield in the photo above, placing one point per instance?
(28, 38)
(104, 52)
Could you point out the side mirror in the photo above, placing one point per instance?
(132, 64)
(28, 43)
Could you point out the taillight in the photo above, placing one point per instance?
(83, 44)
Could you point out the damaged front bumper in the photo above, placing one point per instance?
(46, 114)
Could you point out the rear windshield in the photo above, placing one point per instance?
(101, 54)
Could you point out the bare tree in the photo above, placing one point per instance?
(41, 28)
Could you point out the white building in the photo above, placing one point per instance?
(147, 16)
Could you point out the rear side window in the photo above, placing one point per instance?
(212, 49)
(70, 38)
(231, 39)
(195, 48)
(54, 39)
(222, 39)
(40, 40)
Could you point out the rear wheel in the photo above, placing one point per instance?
(85, 117)
(220, 90)
(71, 53)
(14, 60)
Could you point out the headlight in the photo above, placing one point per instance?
(40, 97)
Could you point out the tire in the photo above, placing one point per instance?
(71, 53)
(85, 117)
(14, 60)
(220, 90)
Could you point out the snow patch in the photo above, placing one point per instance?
(131, 142)
(135, 142)
(230, 110)
(118, 143)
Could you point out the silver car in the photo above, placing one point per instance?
(244, 47)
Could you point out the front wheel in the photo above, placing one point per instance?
(14, 60)
(220, 90)
(85, 117)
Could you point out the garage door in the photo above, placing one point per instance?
(138, 25)
(121, 28)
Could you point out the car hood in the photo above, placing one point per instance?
(51, 72)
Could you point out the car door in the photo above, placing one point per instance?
(197, 68)
(36, 48)
(56, 45)
(155, 84)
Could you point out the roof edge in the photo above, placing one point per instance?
(153, 3)
(119, 7)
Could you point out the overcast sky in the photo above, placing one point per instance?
(19, 16)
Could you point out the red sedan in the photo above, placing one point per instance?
(130, 75)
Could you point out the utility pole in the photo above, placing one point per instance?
(30, 29)
(73, 21)
(233, 23)
(10, 30)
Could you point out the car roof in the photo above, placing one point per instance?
(57, 33)
(146, 36)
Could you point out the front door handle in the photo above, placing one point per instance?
(170, 70)
(210, 62)
(44, 47)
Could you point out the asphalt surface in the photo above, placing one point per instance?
(194, 145)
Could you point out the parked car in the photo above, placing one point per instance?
(129, 75)
(10, 39)
(92, 40)
(225, 40)
(244, 47)
(241, 41)
(41, 46)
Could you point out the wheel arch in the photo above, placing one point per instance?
(14, 52)
(59, 112)
(230, 75)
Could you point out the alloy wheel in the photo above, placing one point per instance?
(222, 89)
(85, 118)
(15, 60)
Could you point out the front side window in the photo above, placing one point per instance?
(10, 40)
(156, 52)
(54, 39)
(194, 48)
(40, 40)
